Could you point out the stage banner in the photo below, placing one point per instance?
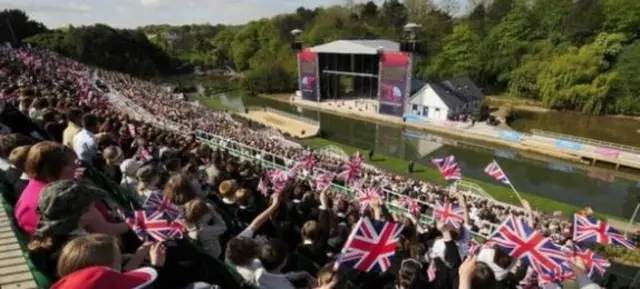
(394, 81)
(308, 74)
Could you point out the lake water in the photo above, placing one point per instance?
(553, 179)
(543, 176)
(611, 129)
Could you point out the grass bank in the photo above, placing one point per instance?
(430, 174)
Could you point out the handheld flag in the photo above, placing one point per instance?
(449, 214)
(448, 167)
(370, 246)
(522, 242)
(494, 170)
(352, 169)
(158, 206)
(591, 230)
(148, 229)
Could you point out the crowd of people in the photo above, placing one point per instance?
(76, 154)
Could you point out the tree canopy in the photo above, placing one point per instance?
(568, 54)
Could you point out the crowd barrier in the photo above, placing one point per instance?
(274, 161)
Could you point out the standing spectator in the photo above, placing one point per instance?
(84, 142)
(74, 123)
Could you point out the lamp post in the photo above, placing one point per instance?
(296, 44)
(410, 41)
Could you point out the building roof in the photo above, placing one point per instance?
(357, 46)
(455, 92)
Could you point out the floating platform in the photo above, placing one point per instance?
(294, 125)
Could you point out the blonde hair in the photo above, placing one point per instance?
(227, 189)
(113, 155)
(243, 197)
(87, 251)
(194, 210)
(18, 156)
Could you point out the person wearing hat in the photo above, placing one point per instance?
(65, 208)
(94, 262)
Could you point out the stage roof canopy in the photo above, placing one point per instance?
(357, 46)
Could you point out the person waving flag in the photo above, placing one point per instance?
(590, 230)
(494, 170)
(448, 167)
(370, 246)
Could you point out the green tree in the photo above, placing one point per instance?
(459, 55)
(16, 25)
(628, 82)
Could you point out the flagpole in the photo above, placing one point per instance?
(509, 182)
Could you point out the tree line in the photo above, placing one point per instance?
(567, 54)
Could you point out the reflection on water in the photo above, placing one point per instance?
(611, 129)
(552, 179)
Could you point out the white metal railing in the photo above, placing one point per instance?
(587, 141)
(274, 161)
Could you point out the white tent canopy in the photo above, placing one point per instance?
(370, 47)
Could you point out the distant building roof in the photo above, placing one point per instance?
(357, 46)
(453, 92)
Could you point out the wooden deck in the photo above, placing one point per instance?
(281, 122)
(14, 271)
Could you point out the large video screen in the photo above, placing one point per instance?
(394, 76)
(308, 75)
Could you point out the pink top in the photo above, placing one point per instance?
(25, 210)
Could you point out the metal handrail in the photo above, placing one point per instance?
(595, 142)
(270, 160)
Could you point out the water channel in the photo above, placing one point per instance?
(561, 181)
(546, 177)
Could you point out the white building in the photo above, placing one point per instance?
(439, 100)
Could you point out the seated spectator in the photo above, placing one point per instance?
(66, 208)
(46, 162)
(94, 261)
(113, 157)
(84, 142)
(8, 142)
(129, 168)
(273, 257)
(179, 190)
(148, 181)
(74, 123)
(15, 180)
(205, 225)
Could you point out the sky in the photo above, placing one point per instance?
(134, 13)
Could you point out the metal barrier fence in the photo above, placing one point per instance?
(274, 161)
(593, 142)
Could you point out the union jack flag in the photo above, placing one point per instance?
(366, 195)
(449, 214)
(593, 262)
(263, 185)
(431, 271)
(148, 229)
(278, 180)
(144, 154)
(308, 162)
(591, 230)
(352, 169)
(79, 173)
(322, 181)
(370, 246)
(410, 204)
(158, 206)
(494, 170)
(524, 243)
(448, 167)
(474, 247)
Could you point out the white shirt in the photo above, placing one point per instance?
(266, 280)
(85, 145)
